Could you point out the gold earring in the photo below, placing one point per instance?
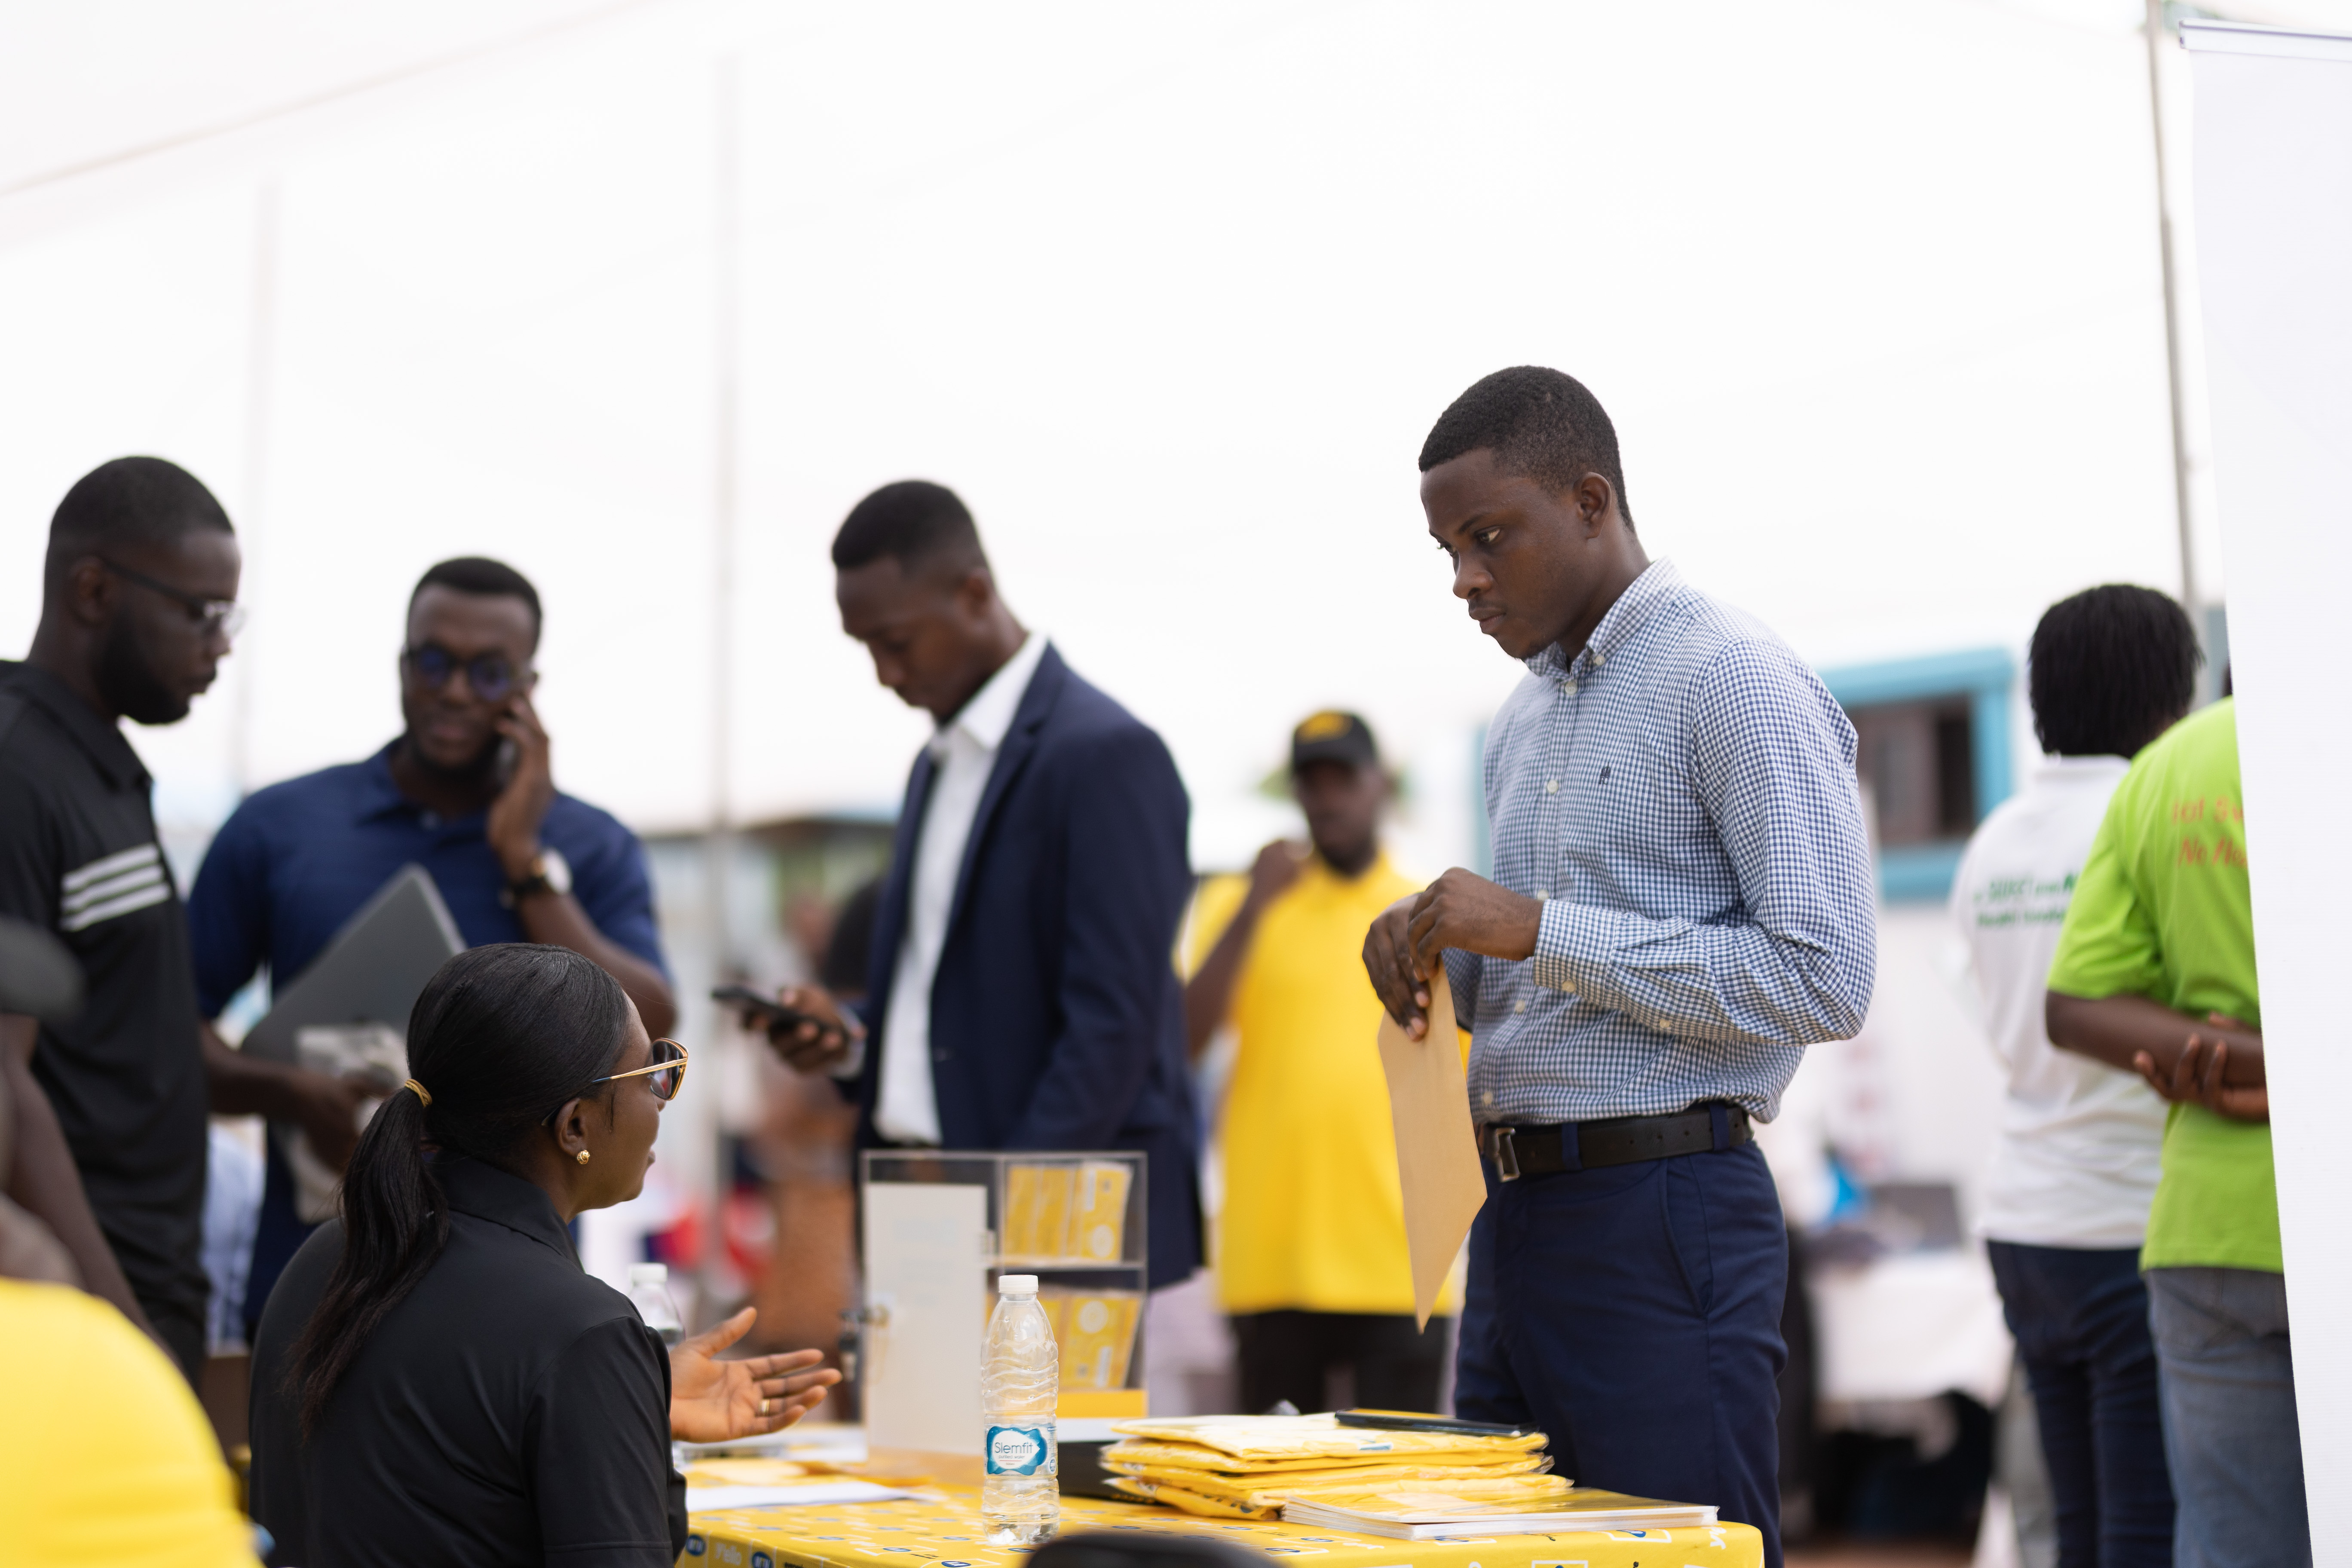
(584, 1156)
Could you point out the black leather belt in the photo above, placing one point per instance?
(1518, 1151)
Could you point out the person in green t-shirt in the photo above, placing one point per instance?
(2155, 972)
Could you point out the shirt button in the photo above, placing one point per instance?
(1542, 894)
(1551, 786)
(1520, 1006)
(1598, 660)
(1568, 686)
(1486, 1097)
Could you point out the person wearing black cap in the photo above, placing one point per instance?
(1311, 1260)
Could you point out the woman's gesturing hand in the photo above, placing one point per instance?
(714, 1400)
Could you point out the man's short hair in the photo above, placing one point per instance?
(480, 575)
(130, 502)
(914, 523)
(2109, 670)
(1538, 423)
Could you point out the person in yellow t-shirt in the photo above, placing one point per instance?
(1310, 1251)
(105, 1455)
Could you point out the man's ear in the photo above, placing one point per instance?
(90, 591)
(976, 592)
(1595, 499)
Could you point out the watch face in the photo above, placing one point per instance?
(556, 869)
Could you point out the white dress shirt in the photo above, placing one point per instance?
(2079, 1151)
(963, 754)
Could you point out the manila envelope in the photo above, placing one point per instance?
(1437, 1151)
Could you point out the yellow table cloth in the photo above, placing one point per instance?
(948, 1533)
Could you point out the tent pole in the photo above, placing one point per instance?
(726, 284)
(2156, 30)
(719, 844)
(261, 346)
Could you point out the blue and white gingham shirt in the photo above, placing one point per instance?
(1682, 798)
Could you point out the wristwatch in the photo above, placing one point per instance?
(550, 873)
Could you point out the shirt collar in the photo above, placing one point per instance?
(104, 742)
(2079, 769)
(380, 796)
(988, 714)
(487, 1192)
(1317, 866)
(1642, 600)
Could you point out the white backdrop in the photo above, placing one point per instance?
(2274, 177)
(1171, 295)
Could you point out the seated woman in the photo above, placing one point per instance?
(435, 1379)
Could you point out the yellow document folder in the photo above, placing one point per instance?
(1098, 1212)
(1095, 1332)
(1037, 1210)
(1072, 1210)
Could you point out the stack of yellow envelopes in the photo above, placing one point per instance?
(1247, 1467)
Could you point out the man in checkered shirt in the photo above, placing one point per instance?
(1682, 903)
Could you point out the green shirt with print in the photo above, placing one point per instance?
(2163, 910)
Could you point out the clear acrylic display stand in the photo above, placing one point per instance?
(940, 1226)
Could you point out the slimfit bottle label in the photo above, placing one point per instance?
(1016, 1451)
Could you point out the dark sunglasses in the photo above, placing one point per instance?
(492, 675)
(665, 1075)
(225, 617)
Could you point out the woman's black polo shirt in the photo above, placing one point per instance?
(126, 1075)
(511, 1409)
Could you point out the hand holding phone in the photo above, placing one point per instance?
(526, 784)
(806, 1026)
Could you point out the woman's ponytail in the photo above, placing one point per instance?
(395, 1223)
(500, 1036)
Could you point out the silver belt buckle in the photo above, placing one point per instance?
(1506, 1152)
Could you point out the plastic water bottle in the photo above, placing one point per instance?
(1019, 1379)
(649, 1293)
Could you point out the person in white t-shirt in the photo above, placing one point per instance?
(2065, 1207)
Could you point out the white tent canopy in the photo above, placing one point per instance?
(1170, 296)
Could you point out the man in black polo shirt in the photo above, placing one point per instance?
(137, 606)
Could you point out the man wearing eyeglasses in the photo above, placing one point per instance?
(467, 792)
(137, 606)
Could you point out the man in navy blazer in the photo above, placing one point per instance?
(1021, 993)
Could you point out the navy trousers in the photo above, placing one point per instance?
(1633, 1313)
(2080, 1315)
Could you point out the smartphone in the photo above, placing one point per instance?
(1418, 1421)
(772, 1014)
(502, 767)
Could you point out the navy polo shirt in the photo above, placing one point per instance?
(299, 858)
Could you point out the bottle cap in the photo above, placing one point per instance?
(1016, 1284)
(648, 1273)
